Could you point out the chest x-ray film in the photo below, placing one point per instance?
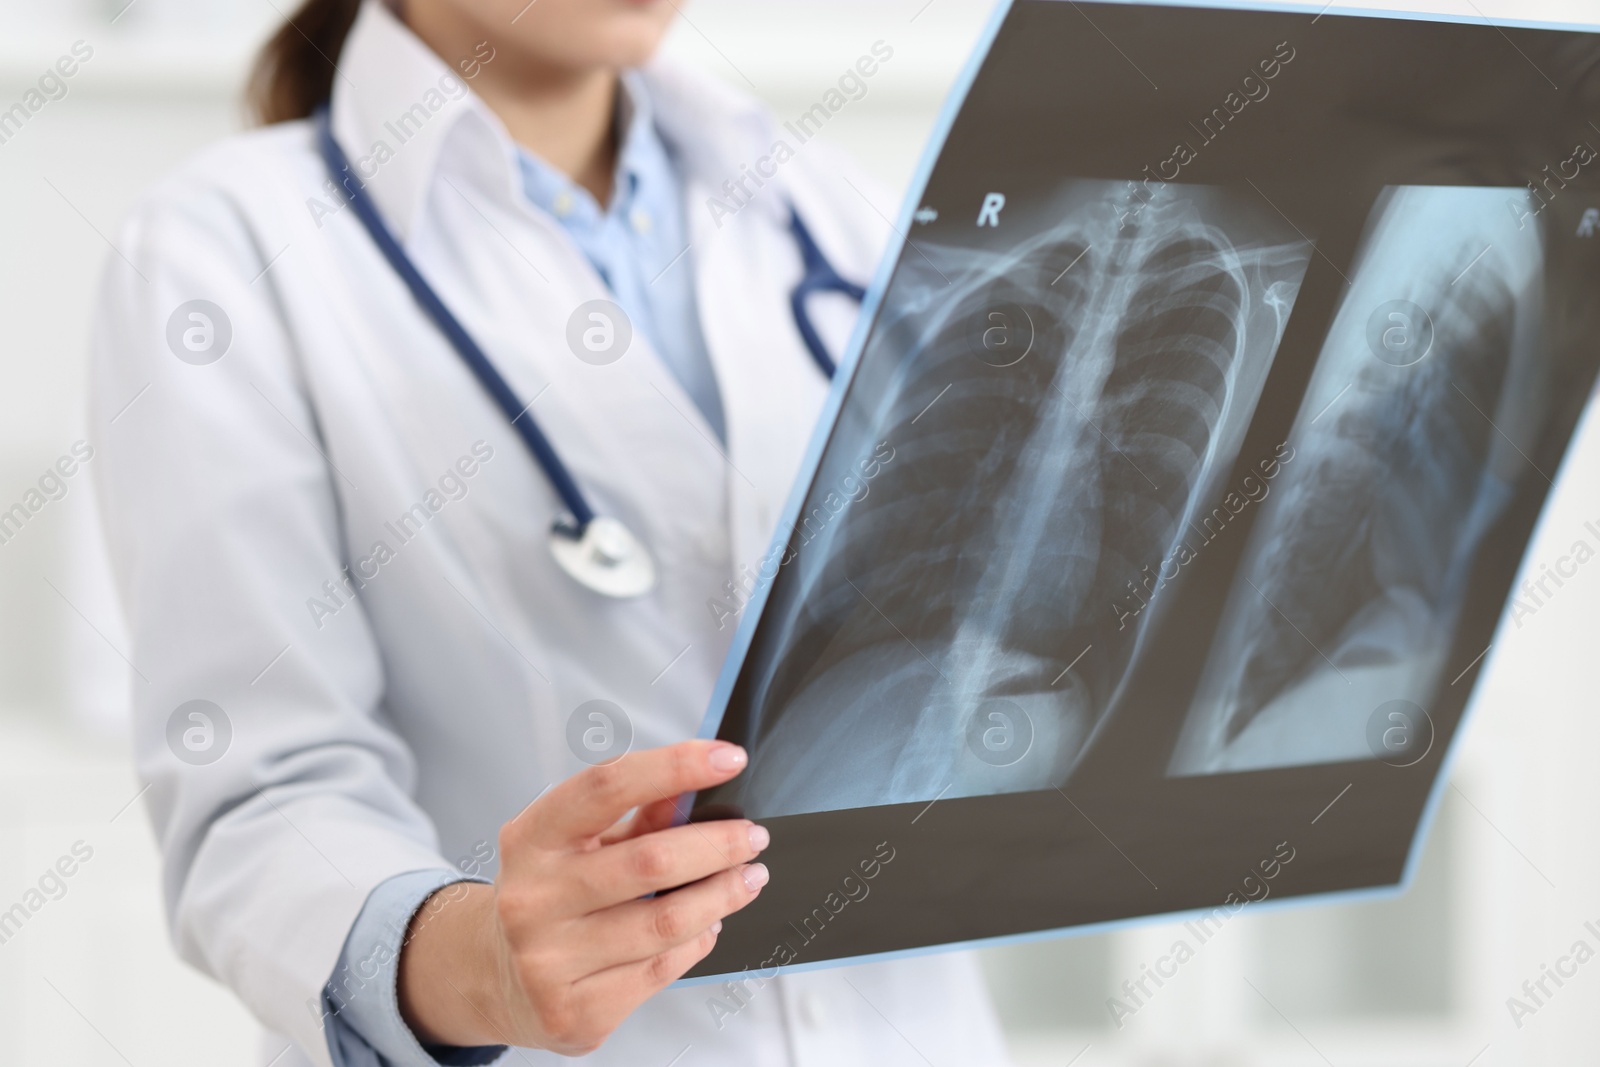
(1180, 479)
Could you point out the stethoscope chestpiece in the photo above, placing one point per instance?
(604, 557)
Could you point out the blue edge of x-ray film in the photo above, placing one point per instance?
(841, 384)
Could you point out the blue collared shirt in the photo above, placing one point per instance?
(639, 245)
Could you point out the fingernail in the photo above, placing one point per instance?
(716, 927)
(727, 757)
(756, 876)
(759, 838)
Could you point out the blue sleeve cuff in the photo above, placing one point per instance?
(360, 1002)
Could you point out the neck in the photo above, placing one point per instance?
(570, 123)
(565, 116)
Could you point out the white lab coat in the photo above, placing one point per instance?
(397, 730)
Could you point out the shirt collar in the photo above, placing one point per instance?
(396, 105)
(715, 130)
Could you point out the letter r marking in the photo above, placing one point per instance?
(989, 213)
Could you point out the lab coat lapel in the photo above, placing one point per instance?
(745, 264)
(772, 389)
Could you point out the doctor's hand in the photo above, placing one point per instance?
(565, 944)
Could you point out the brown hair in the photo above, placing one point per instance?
(294, 72)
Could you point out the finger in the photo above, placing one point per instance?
(591, 801)
(631, 984)
(646, 820)
(665, 859)
(640, 929)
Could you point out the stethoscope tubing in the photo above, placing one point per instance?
(493, 382)
(819, 276)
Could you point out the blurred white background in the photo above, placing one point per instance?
(1509, 877)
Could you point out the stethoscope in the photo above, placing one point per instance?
(596, 550)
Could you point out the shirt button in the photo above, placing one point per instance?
(562, 205)
(640, 218)
(812, 1012)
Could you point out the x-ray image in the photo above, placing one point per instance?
(1404, 456)
(1056, 412)
(1167, 507)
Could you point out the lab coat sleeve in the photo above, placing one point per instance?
(282, 807)
(361, 1003)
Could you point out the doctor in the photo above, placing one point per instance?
(432, 429)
